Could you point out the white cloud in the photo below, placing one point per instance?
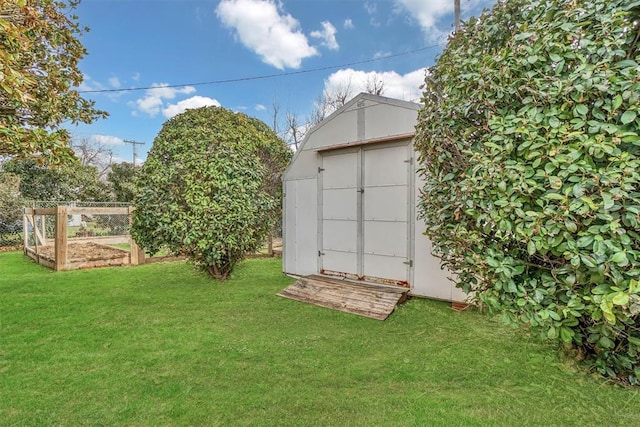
(193, 102)
(429, 13)
(88, 84)
(106, 139)
(153, 100)
(135, 77)
(327, 35)
(263, 27)
(372, 11)
(380, 54)
(113, 81)
(348, 24)
(405, 87)
(261, 107)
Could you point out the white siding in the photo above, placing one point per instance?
(300, 227)
(430, 280)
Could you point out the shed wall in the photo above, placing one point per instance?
(300, 227)
(430, 278)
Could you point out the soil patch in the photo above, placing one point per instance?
(77, 252)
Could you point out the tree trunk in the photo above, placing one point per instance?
(270, 244)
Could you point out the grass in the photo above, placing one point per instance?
(162, 344)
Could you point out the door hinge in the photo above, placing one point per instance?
(409, 263)
(320, 253)
(320, 169)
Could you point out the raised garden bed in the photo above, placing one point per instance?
(82, 256)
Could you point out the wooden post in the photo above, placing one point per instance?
(43, 229)
(61, 238)
(134, 250)
(25, 230)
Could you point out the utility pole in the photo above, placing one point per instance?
(456, 8)
(135, 151)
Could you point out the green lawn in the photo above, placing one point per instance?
(162, 344)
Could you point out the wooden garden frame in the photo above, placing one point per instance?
(34, 231)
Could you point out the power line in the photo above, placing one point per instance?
(266, 76)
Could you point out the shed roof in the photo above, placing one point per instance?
(339, 128)
(362, 96)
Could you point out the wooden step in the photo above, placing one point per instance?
(374, 301)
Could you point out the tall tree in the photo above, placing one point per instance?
(93, 153)
(66, 182)
(11, 201)
(123, 181)
(39, 54)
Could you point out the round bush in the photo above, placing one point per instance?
(210, 188)
(530, 140)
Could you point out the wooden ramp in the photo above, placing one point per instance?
(363, 299)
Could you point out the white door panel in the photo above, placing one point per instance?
(384, 166)
(385, 238)
(342, 170)
(340, 236)
(382, 267)
(385, 203)
(339, 204)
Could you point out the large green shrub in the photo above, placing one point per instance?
(208, 188)
(530, 138)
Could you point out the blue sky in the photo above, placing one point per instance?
(181, 43)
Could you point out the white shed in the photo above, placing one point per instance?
(350, 196)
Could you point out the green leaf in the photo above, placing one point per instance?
(585, 241)
(531, 247)
(555, 182)
(581, 109)
(588, 261)
(627, 117)
(566, 334)
(555, 57)
(601, 289)
(619, 258)
(607, 200)
(620, 298)
(605, 342)
(589, 202)
(617, 102)
(553, 196)
(493, 262)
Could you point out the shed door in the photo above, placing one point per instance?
(365, 214)
(340, 184)
(386, 207)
